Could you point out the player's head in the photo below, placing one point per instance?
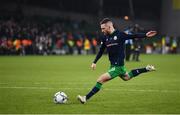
(106, 26)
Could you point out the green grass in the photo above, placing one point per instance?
(27, 85)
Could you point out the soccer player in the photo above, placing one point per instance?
(114, 41)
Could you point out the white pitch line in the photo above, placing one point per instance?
(124, 90)
(17, 87)
(3, 83)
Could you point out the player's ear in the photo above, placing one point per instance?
(109, 27)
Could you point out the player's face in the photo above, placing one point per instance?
(105, 29)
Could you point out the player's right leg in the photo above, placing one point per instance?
(135, 72)
(102, 79)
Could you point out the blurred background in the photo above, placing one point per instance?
(66, 27)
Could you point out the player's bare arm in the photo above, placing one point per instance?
(151, 33)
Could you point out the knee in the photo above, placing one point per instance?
(126, 77)
(100, 80)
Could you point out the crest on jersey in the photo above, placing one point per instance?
(115, 38)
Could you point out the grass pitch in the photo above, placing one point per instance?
(28, 83)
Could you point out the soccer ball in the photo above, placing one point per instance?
(60, 98)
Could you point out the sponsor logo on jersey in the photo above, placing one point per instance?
(113, 44)
(115, 38)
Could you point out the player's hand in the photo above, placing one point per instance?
(151, 33)
(93, 66)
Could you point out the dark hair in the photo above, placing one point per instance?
(105, 20)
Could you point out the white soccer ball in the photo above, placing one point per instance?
(60, 98)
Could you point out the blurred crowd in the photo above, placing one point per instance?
(26, 37)
(59, 37)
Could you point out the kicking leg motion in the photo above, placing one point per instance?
(112, 73)
(135, 72)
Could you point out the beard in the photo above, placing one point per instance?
(105, 33)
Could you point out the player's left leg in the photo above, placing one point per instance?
(100, 81)
(135, 72)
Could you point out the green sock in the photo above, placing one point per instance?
(95, 89)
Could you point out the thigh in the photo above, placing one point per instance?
(117, 71)
(114, 71)
(104, 77)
